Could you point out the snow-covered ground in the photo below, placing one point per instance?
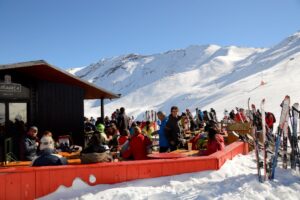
(236, 179)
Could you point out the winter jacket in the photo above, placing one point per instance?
(270, 120)
(93, 148)
(163, 141)
(48, 158)
(29, 148)
(122, 139)
(137, 147)
(87, 158)
(214, 145)
(240, 117)
(95, 153)
(123, 122)
(172, 130)
(200, 115)
(149, 131)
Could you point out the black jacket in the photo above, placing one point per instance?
(172, 129)
(48, 158)
(123, 122)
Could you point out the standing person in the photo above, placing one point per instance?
(191, 120)
(106, 121)
(214, 114)
(172, 129)
(92, 120)
(232, 115)
(30, 144)
(163, 141)
(270, 120)
(122, 120)
(240, 116)
(100, 120)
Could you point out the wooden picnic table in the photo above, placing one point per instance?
(179, 153)
(28, 163)
(72, 155)
(186, 152)
(72, 158)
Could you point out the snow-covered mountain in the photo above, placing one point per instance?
(198, 76)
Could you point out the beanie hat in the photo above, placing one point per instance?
(46, 142)
(100, 128)
(34, 128)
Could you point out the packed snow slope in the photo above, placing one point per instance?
(206, 77)
(237, 179)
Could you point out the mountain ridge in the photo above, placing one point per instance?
(197, 76)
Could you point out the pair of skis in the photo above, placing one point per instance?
(259, 132)
(295, 154)
(266, 168)
(150, 115)
(256, 120)
(282, 131)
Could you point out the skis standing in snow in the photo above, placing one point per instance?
(282, 130)
(294, 138)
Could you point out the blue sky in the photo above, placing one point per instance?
(73, 33)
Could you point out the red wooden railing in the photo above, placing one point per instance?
(34, 182)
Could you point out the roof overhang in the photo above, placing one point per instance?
(44, 71)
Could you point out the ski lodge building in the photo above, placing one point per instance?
(37, 93)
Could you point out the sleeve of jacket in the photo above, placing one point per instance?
(168, 130)
(63, 161)
(127, 153)
(29, 147)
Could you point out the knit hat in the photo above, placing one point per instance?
(100, 128)
(46, 142)
(34, 128)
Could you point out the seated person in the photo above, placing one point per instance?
(138, 146)
(148, 129)
(95, 151)
(215, 142)
(30, 144)
(47, 155)
(199, 141)
(100, 129)
(113, 137)
(65, 144)
(123, 137)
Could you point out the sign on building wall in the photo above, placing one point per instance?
(8, 89)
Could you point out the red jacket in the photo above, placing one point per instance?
(122, 140)
(239, 117)
(215, 145)
(270, 120)
(137, 147)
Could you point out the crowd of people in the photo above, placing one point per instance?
(243, 116)
(133, 140)
(120, 137)
(41, 152)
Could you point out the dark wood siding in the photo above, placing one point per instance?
(50, 106)
(60, 109)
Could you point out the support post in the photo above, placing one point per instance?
(102, 108)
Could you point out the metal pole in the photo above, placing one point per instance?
(102, 108)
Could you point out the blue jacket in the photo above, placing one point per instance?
(48, 158)
(163, 141)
